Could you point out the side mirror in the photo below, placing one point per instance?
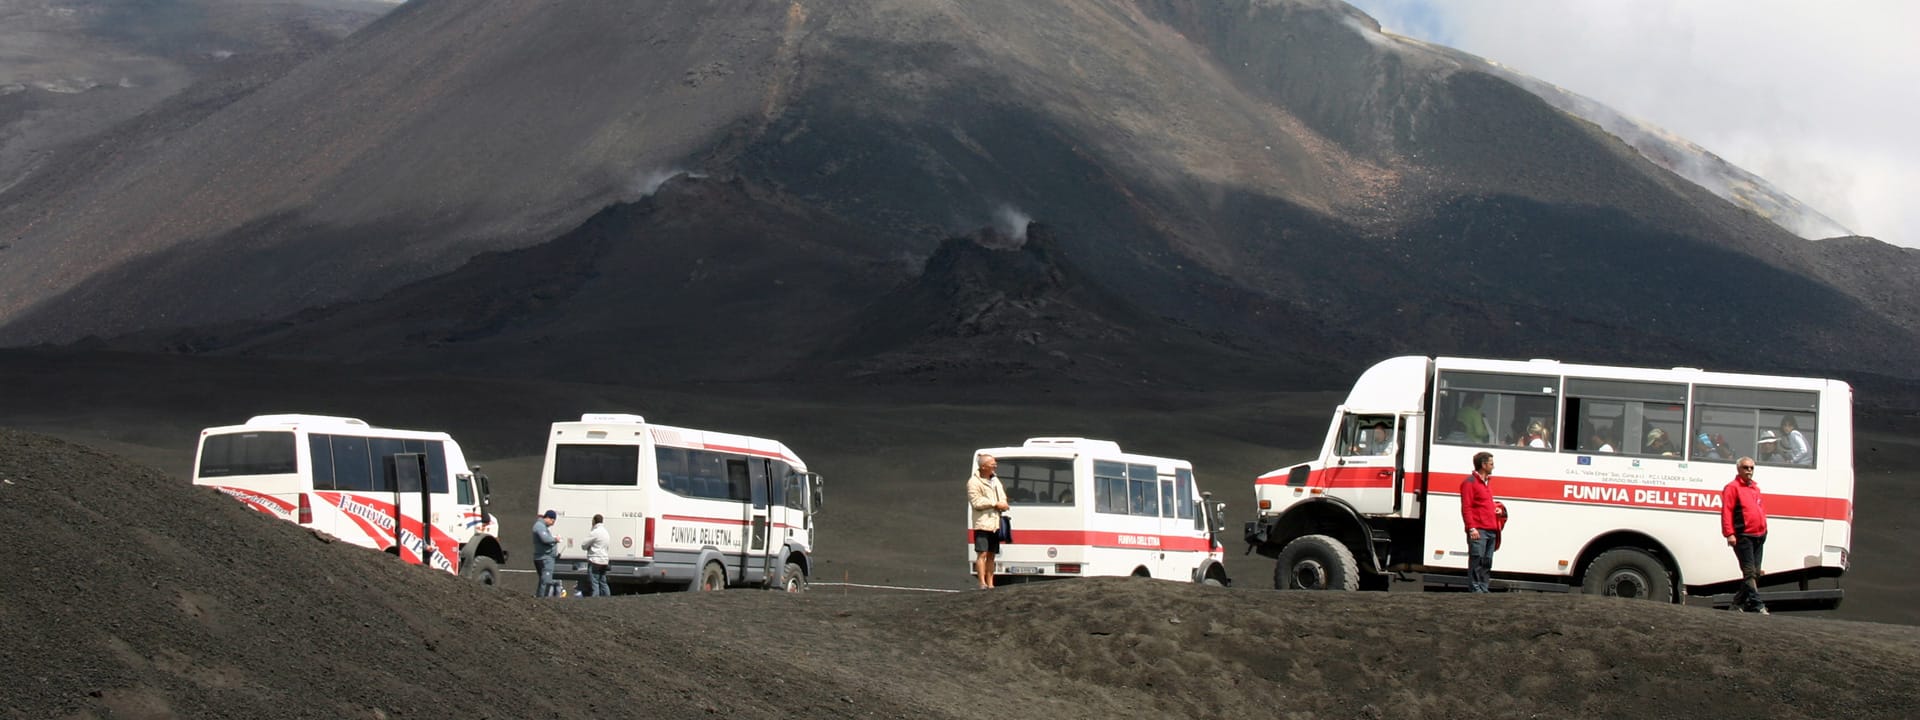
(816, 492)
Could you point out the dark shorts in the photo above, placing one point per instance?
(986, 541)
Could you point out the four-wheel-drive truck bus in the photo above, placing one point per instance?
(684, 509)
(365, 485)
(1611, 477)
(1083, 508)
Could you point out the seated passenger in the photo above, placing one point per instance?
(1471, 421)
(1659, 444)
(1767, 449)
(1538, 436)
(1793, 443)
(1598, 441)
(1703, 448)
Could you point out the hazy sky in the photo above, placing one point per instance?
(1820, 98)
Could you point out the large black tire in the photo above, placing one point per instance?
(794, 578)
(481, 569)
(712, 577)
(1316, 562)
(1629, 573)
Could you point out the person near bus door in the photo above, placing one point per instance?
(1743, 522)
(596, 545)
(1483, 526)
(545, 548)
(988, 498)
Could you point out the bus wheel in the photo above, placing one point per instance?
(481, 569)
(713, 577)
(795, 579)
(1629, 573)
(1316, 562)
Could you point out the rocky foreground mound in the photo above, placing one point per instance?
(130, 594)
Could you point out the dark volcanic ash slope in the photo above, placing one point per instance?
(1277, 179)
(77, 76)
(148, 598)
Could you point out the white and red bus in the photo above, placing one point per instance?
(1611, 476)
(1083, 508)
(368, 486)
(685, 509)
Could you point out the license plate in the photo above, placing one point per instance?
(1025, 570)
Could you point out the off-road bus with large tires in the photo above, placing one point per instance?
(1611, 476)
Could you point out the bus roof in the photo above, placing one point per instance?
(1398, 384)
(1070, 447)
(671, 436)
(324, 424)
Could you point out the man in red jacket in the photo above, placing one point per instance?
(1483, 527)
(1743, 521)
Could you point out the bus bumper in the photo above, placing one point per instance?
(644, 572)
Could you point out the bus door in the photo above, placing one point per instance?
(750, 474)
(1363, 470)
(1183, 534)
(405, 475)
(1410, 463)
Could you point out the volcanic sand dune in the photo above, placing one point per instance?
(145, 597)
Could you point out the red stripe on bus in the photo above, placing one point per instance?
(1101, 539)
(1705, 499)
(1357, 477)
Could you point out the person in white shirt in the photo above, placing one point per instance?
(597, 560)
(1793, 443)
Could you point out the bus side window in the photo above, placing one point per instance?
(1774, 427)
(320, 447)
(464, 490)
(1109, 487)
(670, 464)
(352, 464)
(1497, 409)
(780, 474)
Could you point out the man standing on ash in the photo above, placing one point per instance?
(988, 498)
(1743, 522)
(1483, 526)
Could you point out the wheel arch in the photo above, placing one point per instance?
(795, 554)
(1627, 539)
(1325, 516)
(483, 545)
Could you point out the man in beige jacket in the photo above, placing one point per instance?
(988, 498)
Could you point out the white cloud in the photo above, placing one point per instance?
(1820, 98)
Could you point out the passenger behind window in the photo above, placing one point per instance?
(1659, 444)
(1768, 448)
(1471, 421)
(1793, 444)
(1600, 439)
(1537, 436)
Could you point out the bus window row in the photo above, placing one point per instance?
(358, 464)
(1118, 488)
(1702, 423)
(700, 474)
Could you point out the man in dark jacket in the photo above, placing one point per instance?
(1743, 521)
(544, 547)
(1483, 527)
